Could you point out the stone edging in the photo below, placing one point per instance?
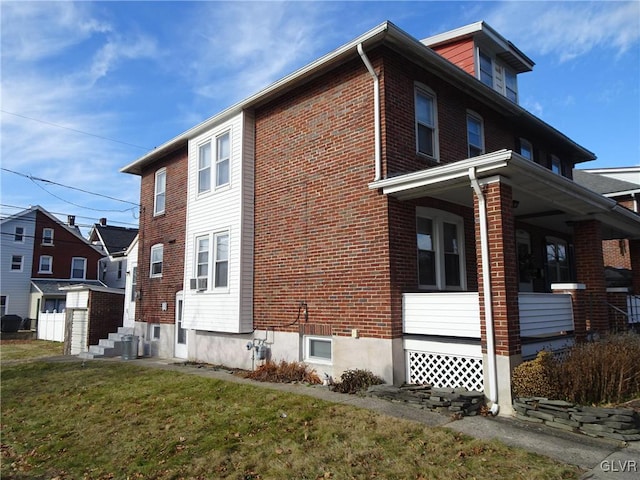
(616, 423)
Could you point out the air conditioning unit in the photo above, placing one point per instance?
(199, 284)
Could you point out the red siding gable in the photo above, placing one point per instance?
(459, 52)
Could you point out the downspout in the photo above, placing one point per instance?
(376, 107)
(486, 288)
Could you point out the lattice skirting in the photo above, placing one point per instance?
(445, 371)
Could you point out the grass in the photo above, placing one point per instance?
(28, 349)
(109, 420)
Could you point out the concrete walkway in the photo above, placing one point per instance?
(601, 458)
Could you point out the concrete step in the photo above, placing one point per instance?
(86, 355)
(125, 330)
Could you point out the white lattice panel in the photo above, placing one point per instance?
(445, 371)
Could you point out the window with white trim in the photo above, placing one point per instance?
(426, 122)
(160, 189)
(204, 168)
(155, 267)
(16, 263)
(221, 260)
(120, 268)
(47, 236)
(475, 134)
(202, 258)
(318, 349)
(18, 235)
(78, 268)
(526, 149)
(46, 264)
(134, 283)
(223, 155)
(486, 69)
(440, 241)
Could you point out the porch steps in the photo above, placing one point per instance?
(108, 347)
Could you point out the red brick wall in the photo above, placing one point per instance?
(105, 314)
(616, 252)
(167, 229)
(65, 246)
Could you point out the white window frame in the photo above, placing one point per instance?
(154, 331)
(197, 249)
(154, 248)
(481, 54)
(14, 263)
(40, 261)
(47, 236)
(134, 282)
(314, 359)
(4, 305)
(84, 268)
(424, 91)
(202, 188)
(120, 269)
(221, 160)
(524, 143)
(160, 192)
(216, 261)
(18, 237)
(438, 219)
(474, 117)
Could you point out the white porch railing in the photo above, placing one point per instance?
(51, 326)
(454, 314)
(545, 314)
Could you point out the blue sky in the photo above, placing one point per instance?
(88, 87)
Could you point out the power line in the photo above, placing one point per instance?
(74, 130)
(57, 213)
(33, 179)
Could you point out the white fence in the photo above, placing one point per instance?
(545, 314)
(51, 326)
(455, 314)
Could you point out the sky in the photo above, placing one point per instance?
(89, 87)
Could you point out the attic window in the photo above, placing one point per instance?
(486, 69)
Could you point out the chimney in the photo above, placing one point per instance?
(71, 220)
(103, 221)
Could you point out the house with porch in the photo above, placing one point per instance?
(389, 206)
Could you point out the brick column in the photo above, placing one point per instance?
(634, 254)
(587, 240)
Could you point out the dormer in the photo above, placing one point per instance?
(485, 54)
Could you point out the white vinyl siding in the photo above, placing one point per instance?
(455, 314)
(225, 217)
(160, 188)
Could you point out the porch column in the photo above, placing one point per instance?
(587, 240)
(634, 254)
(503, 279)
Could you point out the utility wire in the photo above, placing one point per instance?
(74, 130)
(16, 207)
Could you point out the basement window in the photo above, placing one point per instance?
(318, 349)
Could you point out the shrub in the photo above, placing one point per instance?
(354, 381)
(284, 372)
(536, 378)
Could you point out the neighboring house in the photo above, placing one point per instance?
(40, 254)
(113, 242)
(389, 206)
(131, 285)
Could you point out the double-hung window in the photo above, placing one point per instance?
(157, 253)
(218, 174)
(47, 236)
(426, 122)
(204, 168)
(556, 165)
(223, 155)
(18, 235)
(526, 149)
(16, 263)
(486, 69)
(202, 261)
(159, 197)
(134, 283)
(510, 85)
(78, 268)
(475, 134)
(440, 240)
(221, 260)
(558, 260)
(46, 264)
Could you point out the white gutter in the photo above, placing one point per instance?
(486, 288)
(376, 108)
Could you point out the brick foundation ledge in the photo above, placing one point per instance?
(615, 423)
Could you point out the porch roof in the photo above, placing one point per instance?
(543, 198)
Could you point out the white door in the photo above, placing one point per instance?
(79, 331)
(525, 261)
(181, 333)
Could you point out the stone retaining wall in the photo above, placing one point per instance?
(456, 401)
(616, 423)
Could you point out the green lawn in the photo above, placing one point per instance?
(28, 349)
(109, 420)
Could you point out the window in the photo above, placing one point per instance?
(3, 305)
(202, 257)
(318, 349)
(18, 236)
(157, 252)
(54, 305)
(78, 267)
(134, 283)
(510, 85)
(47, 236)
(16, 263)
(526, 150)
(222, 159)
(475, 135)
(155, 332)
(221, 261)
(558, 260)
(426, 129)
(486, 69)
(204, 168)
(46, 264)
(160, 192)
(440, 240)
(556, 165)
(119, 270)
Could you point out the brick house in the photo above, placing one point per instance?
(349, 214)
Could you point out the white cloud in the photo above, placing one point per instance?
(568, 30)
(119, 49)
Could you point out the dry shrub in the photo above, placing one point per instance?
(284, 372)
(606, 371)
(354, 381)
(536, 378)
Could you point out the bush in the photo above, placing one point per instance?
(594, 373)
(354, 381)
(284, 372)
